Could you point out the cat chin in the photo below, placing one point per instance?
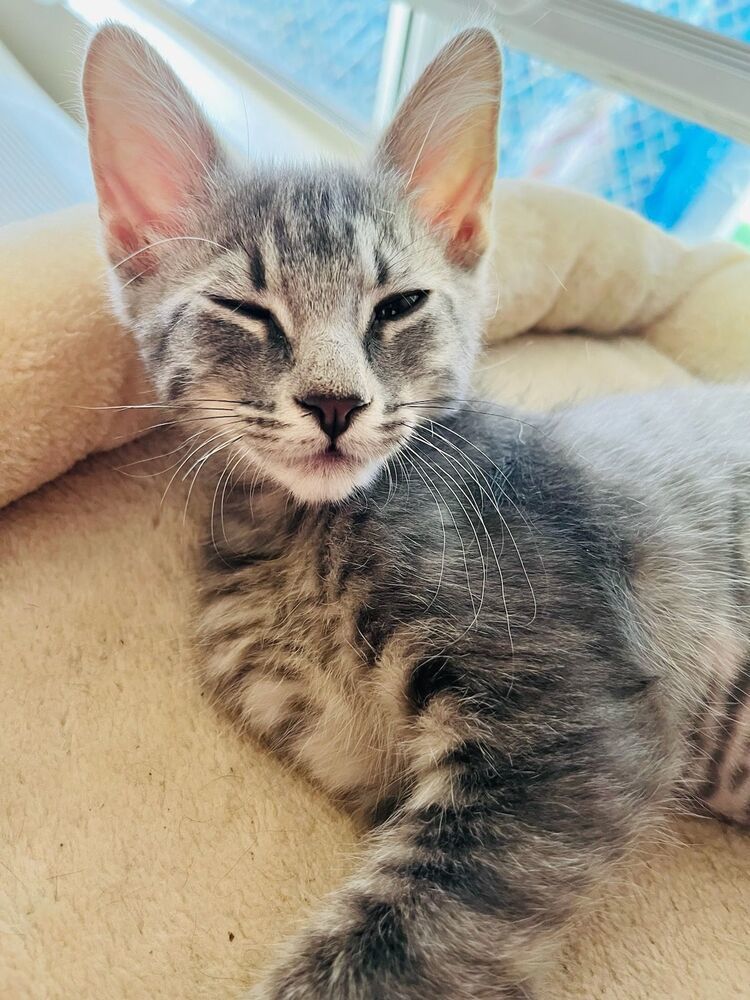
(331, 486)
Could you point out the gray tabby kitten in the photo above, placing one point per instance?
(512, 643)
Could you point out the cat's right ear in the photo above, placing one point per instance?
(152, 151)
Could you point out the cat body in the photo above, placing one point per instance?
(524, 722)
(511, 643)
(340, 610)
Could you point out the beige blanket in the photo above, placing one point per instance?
(145, 850)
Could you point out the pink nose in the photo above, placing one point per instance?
(333, 413)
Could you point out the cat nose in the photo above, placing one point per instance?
(333, 413)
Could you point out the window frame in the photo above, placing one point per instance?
(693, 73)
(690, 72)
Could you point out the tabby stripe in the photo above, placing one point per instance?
(228, 562)
(736, 699)
(159, 350)
(257, 268)
(739, 777)
(264, 421)
(374, 630)
(178, 384)
(381, 269)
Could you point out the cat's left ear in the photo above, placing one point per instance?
(443, 141)
(153, 154)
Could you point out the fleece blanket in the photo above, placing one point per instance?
(146, 851)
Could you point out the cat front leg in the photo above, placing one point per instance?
(467, 888)
(409, 927)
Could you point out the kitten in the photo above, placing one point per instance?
(513, 643)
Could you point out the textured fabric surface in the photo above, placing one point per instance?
(61, 353)
(146, 851)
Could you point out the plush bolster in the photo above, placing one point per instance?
(64, 358)
(567, 261)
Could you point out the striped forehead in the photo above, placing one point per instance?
(313, 237)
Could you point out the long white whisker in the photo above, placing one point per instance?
(161, 406)
(226, 476)
(155, 458)
(445, 482)
(193, 451)
(200, 465)
(490, 496)
(477, 511)
(167, 239)
(435, 495)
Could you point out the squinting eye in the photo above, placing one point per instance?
(396, 306)
(244, 308)
(250, 310)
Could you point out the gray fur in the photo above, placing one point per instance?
(512, 643)
(325, 241)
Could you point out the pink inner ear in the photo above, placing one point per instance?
(145, 181)
(151, 150)
(455, 203)
(466, 232)
(143, 190)
(150, 183)
(468, 242)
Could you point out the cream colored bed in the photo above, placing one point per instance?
(145, 850)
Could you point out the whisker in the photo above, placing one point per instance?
(460, 406)
(125, 406)
(193, 451)
(495, 505)
(180, 421)
(432, 468)
(391, 484)
(501, 472)
(223, 431)
(122, 438)
(224, 493)
(200, 465)
(400, 461)
(154, 458)
(155, 406)
(168, 239)
(213, 507)
(435, 494)
(466, 493)
(228, 468)
(477, 510)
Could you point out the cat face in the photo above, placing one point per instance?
(300, 321)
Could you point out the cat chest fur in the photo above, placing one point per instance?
(296, 650)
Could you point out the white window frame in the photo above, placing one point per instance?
(693, 73)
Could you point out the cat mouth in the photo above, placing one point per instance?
(327, 475)
(329, 460)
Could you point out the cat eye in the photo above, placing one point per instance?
(243, 308)
(396, 306)
(251, 310)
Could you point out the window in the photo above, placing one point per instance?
(725, 17)
(644, 102)
(330, 49)
(563, 128)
